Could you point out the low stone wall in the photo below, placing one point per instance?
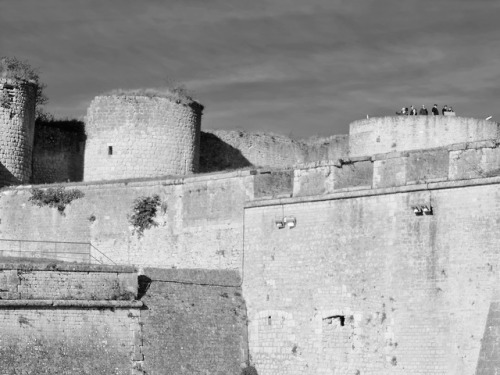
(69, 319)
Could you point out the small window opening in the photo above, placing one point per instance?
(341, 319)
(269, 322)
(110, 150)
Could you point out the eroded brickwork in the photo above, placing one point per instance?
(17, 121)
(139, 136)
(69, 319)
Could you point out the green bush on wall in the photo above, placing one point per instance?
(57, 197)
(144, 211)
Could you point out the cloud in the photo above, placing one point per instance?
(284, 64)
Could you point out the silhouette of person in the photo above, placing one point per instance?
(423, 111)
(435, 110)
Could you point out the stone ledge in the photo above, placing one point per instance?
(356, 193)
(34, 303)
(139, 182)
(67, 267)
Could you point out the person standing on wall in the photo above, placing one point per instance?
(445, 109)
(435, 110)
(423, 111)
(413, 111)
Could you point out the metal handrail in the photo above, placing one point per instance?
(100, 252)
(61, 254)
(44, 241)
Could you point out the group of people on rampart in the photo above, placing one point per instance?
(412, 111)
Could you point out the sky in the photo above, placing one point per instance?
(294, 67)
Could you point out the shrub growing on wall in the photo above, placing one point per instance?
(12, 67)
(57, 197)
(143, 213)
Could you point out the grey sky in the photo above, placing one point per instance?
(287, 66)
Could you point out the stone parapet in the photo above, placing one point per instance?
(405, 133)
(467, 160)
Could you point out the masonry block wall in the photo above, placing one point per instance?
(362, 285)
(58, 152)
(68, 319)
(194, 322)
(200, 222)
(140, 136)
(460, 161)
(17, 122)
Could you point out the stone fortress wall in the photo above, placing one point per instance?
(341, 271)
(140, 136)
(17, 118)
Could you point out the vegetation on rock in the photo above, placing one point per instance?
(13, 68)
(144, 213)
(57, 197)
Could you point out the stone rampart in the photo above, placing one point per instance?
(17, 122)
(141, 136)
(404, 133)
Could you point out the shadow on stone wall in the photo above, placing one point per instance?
(217, 155)
(7, 178)
(489, 355)
(250, 370)
(58, 151)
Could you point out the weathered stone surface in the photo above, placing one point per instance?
(191, 327)
(358, 174)
(475, 163)
(427, 166)
(390, 172)
(273, 183)
(69, 322)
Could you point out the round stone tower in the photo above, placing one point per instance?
(17, 127)
(134, 136)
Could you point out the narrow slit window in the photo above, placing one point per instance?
(110, 150)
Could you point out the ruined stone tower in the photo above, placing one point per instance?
(17, 125)
(134, 136)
